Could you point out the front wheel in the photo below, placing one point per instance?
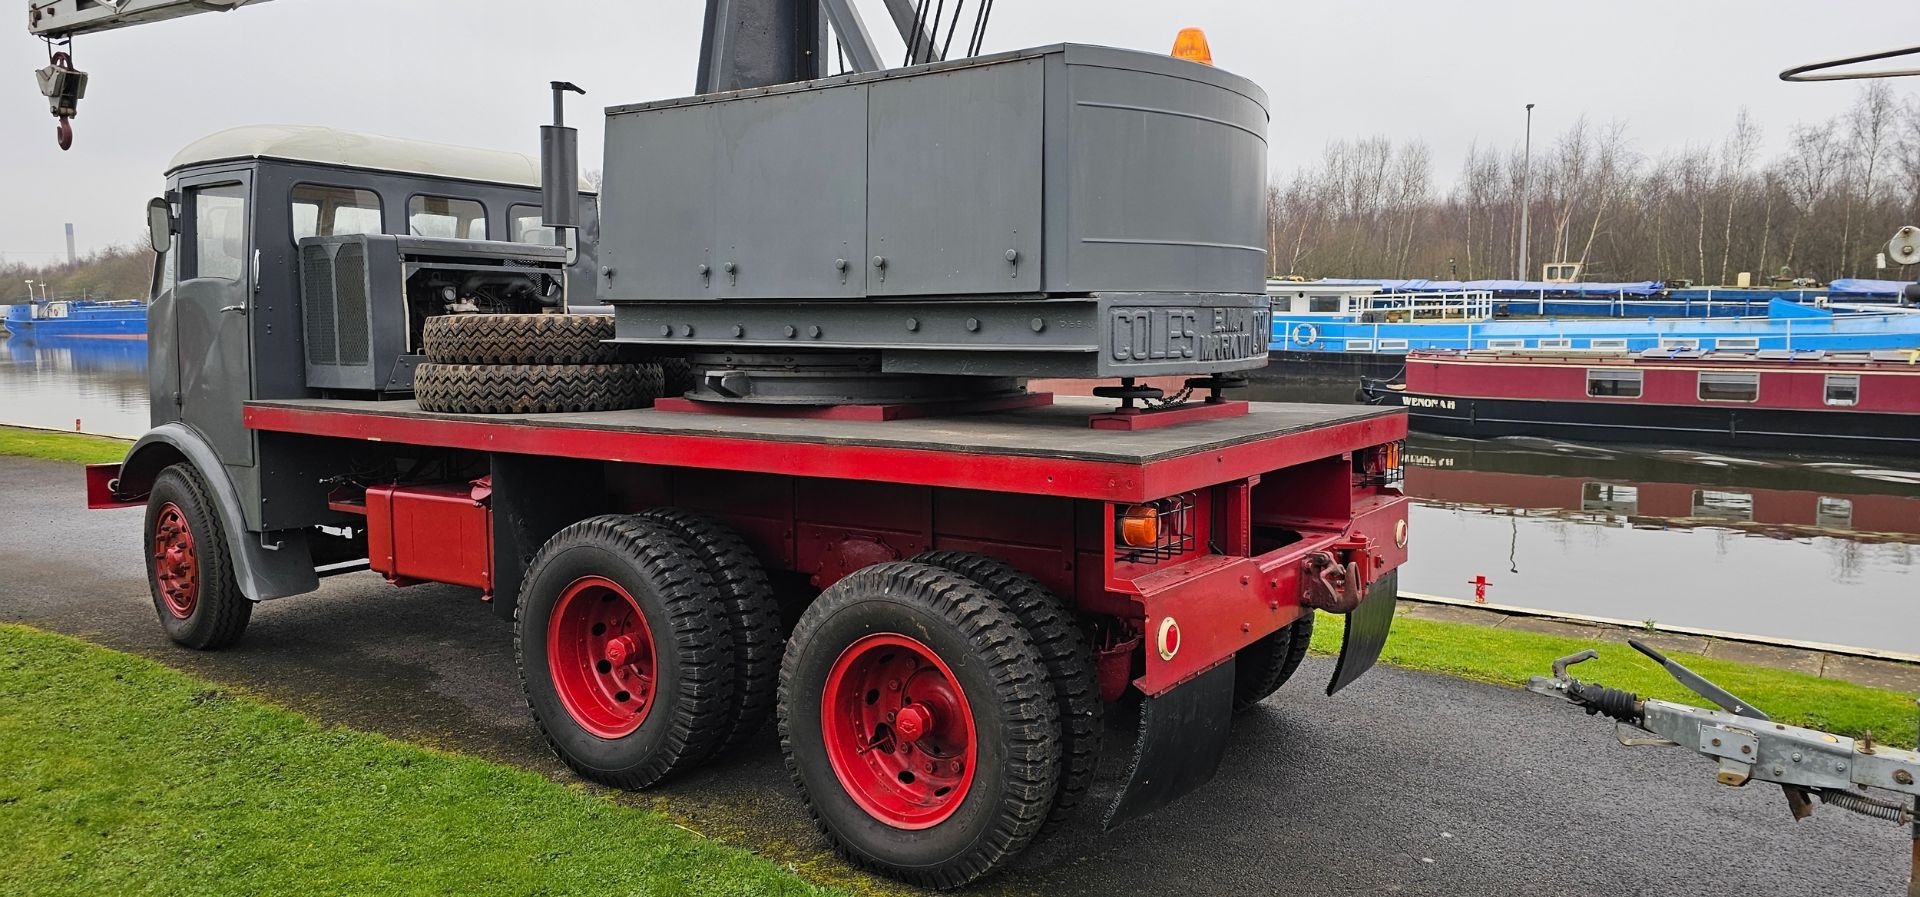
(189, 568)
(919, 724)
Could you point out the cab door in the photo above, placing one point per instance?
(211, 301)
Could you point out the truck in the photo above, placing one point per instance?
(743, 447)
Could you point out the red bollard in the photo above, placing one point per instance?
(1479, 583)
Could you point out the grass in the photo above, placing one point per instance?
(122, 776)
(51, 446)
(1506, 657)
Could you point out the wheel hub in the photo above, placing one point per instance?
(176, 563)
(898, 731)
(600, 655)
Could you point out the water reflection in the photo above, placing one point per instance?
(1813, 549)
(1772, 547)
(52, 382)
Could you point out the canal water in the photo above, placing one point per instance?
(1812, 549)
(89, 385)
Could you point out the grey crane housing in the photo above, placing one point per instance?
(1067, 211)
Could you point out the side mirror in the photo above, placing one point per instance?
(159, 225)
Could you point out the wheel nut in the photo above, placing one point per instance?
(619, 649)
(912, 722)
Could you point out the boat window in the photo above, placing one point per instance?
(1359, 345)
(1609, 498)
(1833, 513)
(1614, 344)
(1843, 389)
(1613, 383)
(220, 231)
(1556, 344)
(1722, 386)
(1723, 505)
(323, 211)
(1737, 342)
(1678, 343)
(441, 216)
(1323, 304)
(1391, 345)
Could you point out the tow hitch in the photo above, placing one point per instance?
(1750, 747)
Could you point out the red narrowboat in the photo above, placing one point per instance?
(1787, 400)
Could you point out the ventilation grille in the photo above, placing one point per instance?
(350, 297)
(316, 295)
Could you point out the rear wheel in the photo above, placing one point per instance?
(1261, 668)
(918, 725)
(1066, 654)
(189, 569)
(624, 653)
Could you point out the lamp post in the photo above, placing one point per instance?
(1526, 193)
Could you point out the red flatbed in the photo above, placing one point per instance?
(1048, 450)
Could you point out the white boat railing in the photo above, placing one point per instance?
(1476, 338)
(1464, 305)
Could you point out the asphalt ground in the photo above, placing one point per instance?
(1406, 783)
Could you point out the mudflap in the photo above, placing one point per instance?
(1183, 735)
(1367, 628)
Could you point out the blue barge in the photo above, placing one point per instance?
(125, 318)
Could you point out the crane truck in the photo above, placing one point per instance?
(795, 479)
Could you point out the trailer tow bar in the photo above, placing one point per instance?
(1750, 747)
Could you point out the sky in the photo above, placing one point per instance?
(476, 71)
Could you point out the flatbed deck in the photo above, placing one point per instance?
(1044, 450)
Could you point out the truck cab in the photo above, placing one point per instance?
(227, 323)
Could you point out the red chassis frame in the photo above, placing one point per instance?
(1260, 510)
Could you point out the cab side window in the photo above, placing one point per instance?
(527, 227)
(323, 211)
(441, 216)
(219, 232)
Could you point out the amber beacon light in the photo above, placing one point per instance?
(1191, 46)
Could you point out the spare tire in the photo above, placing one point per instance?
(534, 388)
(522, 339)
(679, 375)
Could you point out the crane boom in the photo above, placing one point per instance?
(58, 19)
(746, 43)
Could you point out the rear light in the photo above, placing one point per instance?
(1140, 526)
(1378, 466)
(1153, 531)
(1191, 45)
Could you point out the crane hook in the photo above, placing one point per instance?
(63, 86)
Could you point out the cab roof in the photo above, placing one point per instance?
(372, 152)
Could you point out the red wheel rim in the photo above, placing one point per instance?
(898, 731)
(176, 565)
(600, 653)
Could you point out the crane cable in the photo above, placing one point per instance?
(927, 23)
(980, 19)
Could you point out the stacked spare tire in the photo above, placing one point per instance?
(536, 364)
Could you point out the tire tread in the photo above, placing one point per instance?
(1022, 691)
(699, 636)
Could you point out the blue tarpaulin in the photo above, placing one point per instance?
(1532, 287)
(1854, 286)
